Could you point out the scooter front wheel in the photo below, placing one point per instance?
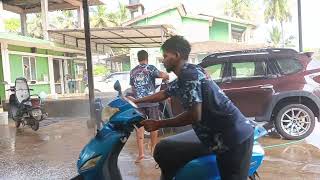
(35, 125)
(17, 123)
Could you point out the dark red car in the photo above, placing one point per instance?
(277, 85)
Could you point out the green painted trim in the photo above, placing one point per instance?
(38, 51)
(232, 22)
(19, 48)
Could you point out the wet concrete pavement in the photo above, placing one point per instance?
(52, 151)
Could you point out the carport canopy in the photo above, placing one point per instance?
(114, 37)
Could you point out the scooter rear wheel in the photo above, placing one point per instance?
(35, 126)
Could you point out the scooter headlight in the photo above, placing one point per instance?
(107, 112)
(90, 163)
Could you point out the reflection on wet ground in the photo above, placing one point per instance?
(51, 153)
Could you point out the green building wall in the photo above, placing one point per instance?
(169, 17)
(219, 31)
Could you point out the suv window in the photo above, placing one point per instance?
(215, 71)
(289, 66)
(249, 69)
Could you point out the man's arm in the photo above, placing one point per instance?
(157, 97)
(188, 117)
(164, 75)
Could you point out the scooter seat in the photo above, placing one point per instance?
(206, 168)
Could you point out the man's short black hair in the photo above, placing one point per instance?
(142, 55)
(177, 44)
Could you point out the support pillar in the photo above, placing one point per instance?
(61, 75)
(80, 17)
(23, 20)
(1, 17)
(6, 67)
(51, 76)
(44, 16)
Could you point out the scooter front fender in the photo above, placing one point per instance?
(105, 145)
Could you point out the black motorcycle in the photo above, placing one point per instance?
(24, 108)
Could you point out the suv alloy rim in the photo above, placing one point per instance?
(295, 122)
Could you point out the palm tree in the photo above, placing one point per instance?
(278, 11)
(119, 16)
(67, 20)
(35, 26)
(12, 25)
(100, 17)
(239, 9)
(275, 36)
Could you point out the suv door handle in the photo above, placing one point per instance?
(267, 86)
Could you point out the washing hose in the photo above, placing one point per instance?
(282, 144)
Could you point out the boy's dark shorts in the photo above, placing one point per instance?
(151, 112)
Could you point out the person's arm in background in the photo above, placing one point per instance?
(163, 75)
(159, 74)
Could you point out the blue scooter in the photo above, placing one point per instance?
(98, 160)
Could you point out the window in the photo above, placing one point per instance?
(29, 68)
(289, 66)
(215, 71)
(248, 69)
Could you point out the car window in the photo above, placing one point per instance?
(289, 66)
(215, 71)
(313, 64)
(249, 69)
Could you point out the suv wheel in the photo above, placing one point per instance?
(295, 121)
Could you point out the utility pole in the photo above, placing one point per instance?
(300, 26)
(89, 58)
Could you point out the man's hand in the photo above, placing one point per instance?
(151, 125)
(131, 98)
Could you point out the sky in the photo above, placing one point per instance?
(310, 13)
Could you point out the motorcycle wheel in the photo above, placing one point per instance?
(17, 123)
(35, 125)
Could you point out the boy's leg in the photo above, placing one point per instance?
(234, 164)
(153, 113)
(173, 152)
(140, 140)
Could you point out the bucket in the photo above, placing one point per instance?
(3, 118)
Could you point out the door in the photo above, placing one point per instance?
(249, 84)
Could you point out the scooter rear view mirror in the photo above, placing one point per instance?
(117, 87)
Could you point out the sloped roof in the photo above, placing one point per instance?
(19, 40)
(180, 7)
(34, 6)
(115, 37)
(217, 46)
(182, 11)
